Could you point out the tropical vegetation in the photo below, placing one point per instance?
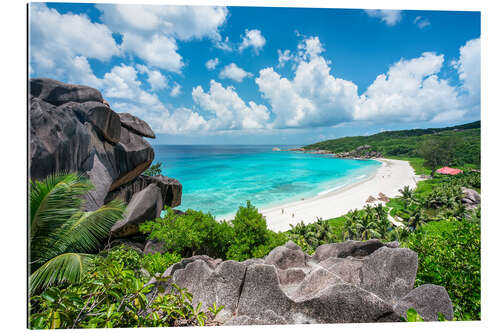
(61, 232)
(466, 141)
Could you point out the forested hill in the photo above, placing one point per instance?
(406, 142)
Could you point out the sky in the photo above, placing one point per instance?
(257, 75)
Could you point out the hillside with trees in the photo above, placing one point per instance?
(466, 140)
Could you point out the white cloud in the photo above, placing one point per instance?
(157, 50)
(284, 57)
(252, 38)
(59, 52)
(410, 91)
(151, 32)
(224, 45)
(310, 47)
(229, 111)
(122, 83)
(468, 67)
(181, 22)
(421, 22)
(313, 97)
(212, 63)
(233, 72)
(389, 16)
(176, 90)
(156, 80)
(79, 71)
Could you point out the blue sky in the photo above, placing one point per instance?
(253, 75)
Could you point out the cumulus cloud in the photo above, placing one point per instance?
(156, 80)
(410, 91)
(122, 83)
(176, 90)
(63, 53)
(388, 16)
(229, 111)
(233, 72)
(254, 39)
(212, 63)
(421, 22)
(157, 50)
(468, 67)
(314, 97)
(151, 32)
(181, 22)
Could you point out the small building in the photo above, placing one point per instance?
(449, 171)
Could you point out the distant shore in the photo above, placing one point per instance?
(387, 180)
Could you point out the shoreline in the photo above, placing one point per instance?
(391, 176)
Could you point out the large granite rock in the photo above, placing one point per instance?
(136, 125)
(145, 205)
(352, 282)
(58, 93)
(428, 300)
(73, 129)
(171, 189)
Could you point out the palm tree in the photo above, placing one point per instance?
(61, 234)
(383, 223)
(367, 226)
(350, 225)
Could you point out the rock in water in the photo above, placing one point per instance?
(342, 283)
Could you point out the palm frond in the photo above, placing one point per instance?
(88, 229)
(67, 267)
(52, 202)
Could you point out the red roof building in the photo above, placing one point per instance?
(449, 171)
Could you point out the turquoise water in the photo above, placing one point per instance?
(219, 179)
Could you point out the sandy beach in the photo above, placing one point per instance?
(388, 179)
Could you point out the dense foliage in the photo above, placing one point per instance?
(451, 257)
(195, 233)
(406, 143)
(114, 293)
(61, 233)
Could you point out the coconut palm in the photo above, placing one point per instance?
(350, 225)
(367, 226)
(61, 234)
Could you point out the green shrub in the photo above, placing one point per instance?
(153, 170)
(197, 233)
(452, 259)
(252, 239)
(112, 296)
(191, 234)
(159, 262)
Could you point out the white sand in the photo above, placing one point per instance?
(388, 179)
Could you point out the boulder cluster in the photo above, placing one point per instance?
(471, 199)
(349, 282)
(364, 152)
(72, 128)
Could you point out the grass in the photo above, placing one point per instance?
(337, 225)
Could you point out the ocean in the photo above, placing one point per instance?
(220, 178)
